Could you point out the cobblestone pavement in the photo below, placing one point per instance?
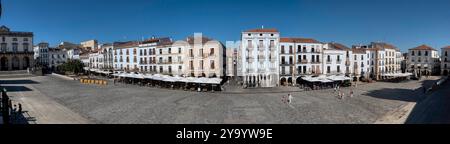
(129, 104)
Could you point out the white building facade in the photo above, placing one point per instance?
(423, 60)
(260, 57)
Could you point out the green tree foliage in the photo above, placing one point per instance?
(71, 66)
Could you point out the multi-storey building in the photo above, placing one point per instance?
(170, 58)
(90, 44)
(126, 56)
(383, 59)
(299, 57)
(205, 57)
(231, 60)
(41, 54)
(336, 59)
(56, 57)
(361, 63)
(445, 66)
(260, 57)
(16, 51)
(147, 54)
(423, 60)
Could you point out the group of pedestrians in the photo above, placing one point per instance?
(340, 94)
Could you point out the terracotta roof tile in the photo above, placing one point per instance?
(299, 40)
(359, 50)
(262, 30)
(338, 46)
(447, 47)
(423, 47)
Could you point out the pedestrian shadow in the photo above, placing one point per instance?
(23, 118)
(18, 82)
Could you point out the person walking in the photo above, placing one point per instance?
(351, 93)
(290, 98)
(20, 108)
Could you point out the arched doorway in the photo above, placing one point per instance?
(26, 62)
(283, 81)
(15, 63)
(290, 81)
(4, 64)
(299, 80)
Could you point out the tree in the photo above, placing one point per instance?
(71, 66)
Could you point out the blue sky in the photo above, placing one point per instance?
(404, 23)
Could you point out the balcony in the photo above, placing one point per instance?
(285, 64)
(316, 62)
(305, 61)
(328, 62)
(250, 47)
(263, 57)
(261, 48)
(251, 70)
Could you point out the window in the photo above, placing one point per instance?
(200, 52)
(160, 51)
(282, 49)
(283, 70)
(356, 57)
(272, 43)
(312, 48)
(191, 65)
(299, 69)
(328, 58)
(362, 57)
(211, 52)
(180, 68)
(201, 64)
(299, 48)
(170, 60)
(304, 69)
(249, 34)
(261, 44)
(170, 69)
(412, 53)
(145, 53)
(304, 48)
(249, 44)
(135, 59)
(445, 53)
(312, 58)
(283, 60)
(179, 50)
(260, 34)
(328, 69)
(161, 70)
(3, 47)
(25, 39)
(170, 50)
(15, 47)
(134, 51)
(426, 53)
(14, 39)
(338, 58)
(213, 65)
(420, 53)
(140, 52)
(338, 69)
(191, 53)
(317, 58)
(291, 50)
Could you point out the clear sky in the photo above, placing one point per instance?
(404, 23)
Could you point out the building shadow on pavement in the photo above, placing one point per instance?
(434, 109)
(431, 108)
(16, 88)
(18, 82)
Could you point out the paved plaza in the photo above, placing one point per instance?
(52, 99)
